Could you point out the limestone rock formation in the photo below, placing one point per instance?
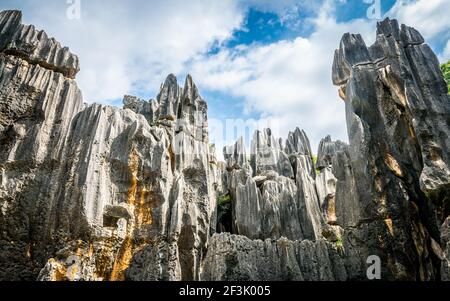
(385, 194)
(398, 118)
(335, 184)
(104, 193)
(445, 255)
(237, 258)
(279, 230)
(35, 46)
(273, 194)
(87, 191)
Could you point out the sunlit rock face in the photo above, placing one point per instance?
(136, 193)
(34, 46)
(273, 191)
(237, 258)
(97, 193)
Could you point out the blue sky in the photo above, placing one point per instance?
(261, 61)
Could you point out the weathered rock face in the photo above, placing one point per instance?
(273, 195)
(37, 106)
(237, 258)
(398, 118)
(35, 46)
(445, 255)
(280, 233)
(150, 187)
(335, 184)
(99, 190)
(103, 193)
(385, 194)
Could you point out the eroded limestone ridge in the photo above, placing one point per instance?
(35, 46)
(97, 192)
(103, 193)
(385, 194)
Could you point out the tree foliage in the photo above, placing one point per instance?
(446, 71)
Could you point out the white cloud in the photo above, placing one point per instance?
(445, 56)
(288, 81)
(126, 46)
(430, 17)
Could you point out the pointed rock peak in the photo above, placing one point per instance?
(354, 42)
(298, 131)
(235, 155)
(410, 36)
(171, 80)
(298, 142)
(389, 27)
(10, 20)
(16, 38)
(352, 51)
(169, 90)
(16, 14)
(298, 135)
(189, 80)
(327, 139)
(190, 89)
(327, 150)
(264, 138)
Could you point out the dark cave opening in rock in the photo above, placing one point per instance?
(224, 214)
(110, 221)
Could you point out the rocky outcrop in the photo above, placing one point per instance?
(237, 258)
(385, 194)
(136, 193)
(273, 194)
(149, 187)
(35, 46)
(335, 184)
(97, 193)
(37, 106)
(397, 116)
(279, 231)
(327, 151)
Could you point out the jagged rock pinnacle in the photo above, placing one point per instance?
(35, 46)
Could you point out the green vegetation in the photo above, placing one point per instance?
(224, 213)
(223, 200)
(314, 158)
(339, 243)
(446, 71)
